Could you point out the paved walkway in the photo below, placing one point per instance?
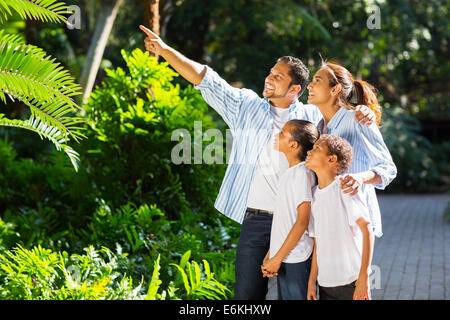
(414, 253)
(412, 259)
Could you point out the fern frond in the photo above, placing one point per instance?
(54, 113)
(27, 70)
(4, 11)
(29, 75)
(43, 10)
(44, 131)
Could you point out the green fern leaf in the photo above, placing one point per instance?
(26, 71)
(4, 11)
(155, 282)
(43, 10)
(184, 277)
(27, 74)
(44, 131)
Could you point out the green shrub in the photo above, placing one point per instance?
(48, 181)
(8, 235)
(30, 274)
(447, 213)
(126, 195)
(42, 274)
(198, 283)
(419, 163)
(440, 154)
(128, 153)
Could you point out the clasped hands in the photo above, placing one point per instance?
(270, 267)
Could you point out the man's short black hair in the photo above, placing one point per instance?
(299, 73)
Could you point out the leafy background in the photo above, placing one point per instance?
(130, 224)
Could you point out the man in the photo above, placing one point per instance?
(249, 186)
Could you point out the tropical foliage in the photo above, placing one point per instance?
(42, 274)
(132, 224)
(157, 216)
(31, 76)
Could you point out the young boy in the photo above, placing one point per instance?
(290, 251)
(343, 238)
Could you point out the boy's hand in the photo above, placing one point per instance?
(312, 291)
(351, 183)
(153, 43)
(266, 273)
(364, 115)
(271, 267)
(362, 290)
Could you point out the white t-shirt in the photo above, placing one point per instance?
(294, 188)
(338, 237)
(271, 165)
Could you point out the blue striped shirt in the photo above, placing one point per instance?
(250, 121)
(369, 153)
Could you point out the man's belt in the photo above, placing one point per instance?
(256, 211)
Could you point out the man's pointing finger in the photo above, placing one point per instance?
(149, 32)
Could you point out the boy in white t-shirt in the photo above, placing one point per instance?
(340, 225)
(289, 256)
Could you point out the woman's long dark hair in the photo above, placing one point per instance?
(365, 93)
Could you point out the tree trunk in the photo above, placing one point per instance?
(151, 17)
(165, 12)
(105, 22)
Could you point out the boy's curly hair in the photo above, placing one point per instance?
(341, 148)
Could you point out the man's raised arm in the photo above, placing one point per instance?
(217, 93)
(190, 70)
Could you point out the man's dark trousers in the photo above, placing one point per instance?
(254, 242)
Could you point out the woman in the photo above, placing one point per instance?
(331, 90)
